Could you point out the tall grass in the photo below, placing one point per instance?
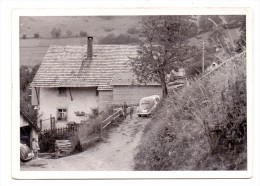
(89, 132)
(202, 127)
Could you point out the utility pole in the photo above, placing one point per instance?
(203, 70)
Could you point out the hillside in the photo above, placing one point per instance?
(201, 127)
(96, 26)
(32, 50)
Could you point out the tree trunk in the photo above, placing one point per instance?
(163, 82)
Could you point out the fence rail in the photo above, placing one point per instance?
(109, 120)
(74, 128)
(63, 129)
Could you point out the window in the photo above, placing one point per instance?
(62, 114)
(62, 91)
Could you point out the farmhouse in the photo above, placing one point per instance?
(73, 80)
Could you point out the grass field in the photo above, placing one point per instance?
(32, 50)
(97, 26)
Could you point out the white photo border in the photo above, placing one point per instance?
(18, 174)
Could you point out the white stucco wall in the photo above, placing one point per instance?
(84, 99)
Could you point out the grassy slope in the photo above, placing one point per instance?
(33, 50)
(95, 26)
(177, 138)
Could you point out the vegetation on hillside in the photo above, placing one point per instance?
(202, 127)
(120, 39)
(26, 76)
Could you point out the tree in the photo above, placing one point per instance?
(241, 43)
(83, 34)
(24, 36)
(233, 21)
(56, 33)
(36, 35)
(165, 48)
(208, 22)
(26, 76)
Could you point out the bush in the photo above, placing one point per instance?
(36, 35)
(90, 129)
(83, 34)
(24, 36)
(108, 29)
(133, 31)
(121, 39)
(56, 33)
(202, 127)
(47, 141)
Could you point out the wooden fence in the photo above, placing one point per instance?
(109, 120)
(74, 128)
(63, 129)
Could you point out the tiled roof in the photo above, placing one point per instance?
(128, 79)
(67, 66)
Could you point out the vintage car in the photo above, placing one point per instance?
(25, 153)
(147, 105)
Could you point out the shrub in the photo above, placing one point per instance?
(133, 31)
(90, 128)
(201, 127)
(108, 29)
(83, 34)
(36, 35)
(24, 36)
(47, 140)
(56, 33)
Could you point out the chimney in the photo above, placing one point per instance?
(90, 47)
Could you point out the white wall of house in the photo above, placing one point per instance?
(84, 99)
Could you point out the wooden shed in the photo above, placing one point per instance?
(126, 88)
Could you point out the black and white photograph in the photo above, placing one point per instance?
(133, 93)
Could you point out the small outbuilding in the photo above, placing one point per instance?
(28, 129)
(127, 89)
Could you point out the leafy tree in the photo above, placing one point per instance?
(208, 22)
(26, 76)
(165, 48)
(36, 35)
(56, 33)
(233, 21)
(133, 30)
(83, 34)
(241, 44)
(24, 36)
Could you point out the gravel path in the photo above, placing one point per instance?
(115, 154)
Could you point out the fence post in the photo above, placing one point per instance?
(100, 137)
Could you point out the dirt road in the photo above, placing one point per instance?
(115, 154)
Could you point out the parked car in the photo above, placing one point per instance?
(147, 105)
(25, 153)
